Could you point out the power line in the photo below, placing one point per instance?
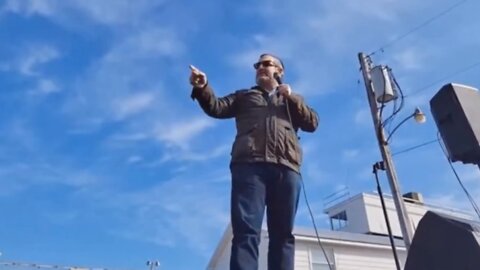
(414, 147)
(472, 201)
(426, 87)
(382, 48)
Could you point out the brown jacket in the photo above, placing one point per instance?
(266, 126)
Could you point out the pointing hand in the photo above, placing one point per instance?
(198, 79)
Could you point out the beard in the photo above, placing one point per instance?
(263, 78)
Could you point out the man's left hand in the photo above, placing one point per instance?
(284, 90)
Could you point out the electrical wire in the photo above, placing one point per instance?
(474, 205)
(399, 124)
(397, 108)
(426, 87)
(428, 21)
(414, 147)
(315, 227)
(387, 124)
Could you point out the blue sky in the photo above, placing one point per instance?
(105, 160)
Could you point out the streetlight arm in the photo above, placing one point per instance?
(395, 129)
(419, 118)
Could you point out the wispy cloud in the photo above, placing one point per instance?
(349, 154)
(127, 81)
(134, 159)
(164, 214)
(181, 133)
(28, 7)
(47, 86)
(184, 154)
(133, 104)
(108, 13)
(410, 59)
(452, 202)
(23, 176)
(34, 57)
(146, 45)
(362, 116)
(28, 60)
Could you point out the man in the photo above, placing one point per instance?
(265, 162)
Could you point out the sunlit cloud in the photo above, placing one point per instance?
(410, 59)
(180, 133)
(46, 86)
(133, 104)
(34, 57)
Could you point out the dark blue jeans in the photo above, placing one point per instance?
(254, 187)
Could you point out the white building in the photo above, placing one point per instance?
(358, 239)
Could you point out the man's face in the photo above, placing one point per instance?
(266, 67)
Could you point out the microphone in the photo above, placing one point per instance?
(277, 78)
(279, 81)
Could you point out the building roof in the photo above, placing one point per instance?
(340, 236)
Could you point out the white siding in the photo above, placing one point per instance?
(263, 252)
(356, 215)
(347, 257)
(224, 260)
(302, 257)
(376, 219)
(364, 259)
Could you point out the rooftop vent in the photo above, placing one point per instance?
(413, 197)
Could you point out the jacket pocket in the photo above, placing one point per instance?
(293, 150)
(244, 144)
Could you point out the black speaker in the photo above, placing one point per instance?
(456, 111)
(444, 243)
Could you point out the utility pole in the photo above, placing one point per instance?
(405, 224)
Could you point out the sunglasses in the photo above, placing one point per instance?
(267, 63)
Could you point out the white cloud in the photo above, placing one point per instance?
(35, 56)
(362, 117)
(469, 174)
(410, 59)
(133, 104)
(86, 125)
(450, 201)
(183, 154)
(28, 7)
(138, 136)
(349, 154)
(146, 44)
(46, 86)
(134, 159)
(164, 214)
(180, 133)
(30, 58)
(109, 89)
(119, 12)
(22, 176)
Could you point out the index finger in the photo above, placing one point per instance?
(194, 69)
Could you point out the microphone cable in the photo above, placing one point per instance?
(279, 81)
